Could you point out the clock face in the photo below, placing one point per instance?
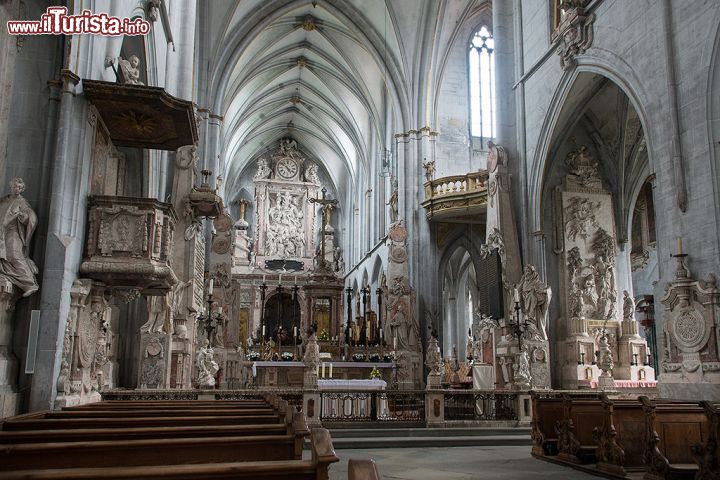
(287, 168)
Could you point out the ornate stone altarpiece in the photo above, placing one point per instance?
(285, 219)
(587, 244)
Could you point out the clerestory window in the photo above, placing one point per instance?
(482, 84)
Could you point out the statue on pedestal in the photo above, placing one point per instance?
(535, 299)
(393, 201)
(628, 306)
(18, 224)
(207, 367)
(521, 371)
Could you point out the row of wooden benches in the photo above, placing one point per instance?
(663, 438)
(261, 439)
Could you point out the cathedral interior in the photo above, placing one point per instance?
(436, 213)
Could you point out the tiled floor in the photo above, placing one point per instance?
(457, 463)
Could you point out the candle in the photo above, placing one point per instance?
(330, 371)
(263, 278)
(381, 334)
(295, 280)
(516, 296)
(323, 370)
(263, 330)
(210, 286)
(679, 245)
(280, 279)
(394, 343)
(294, 331)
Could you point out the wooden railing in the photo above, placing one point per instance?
(461, 194)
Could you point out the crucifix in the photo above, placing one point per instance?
(327, 206)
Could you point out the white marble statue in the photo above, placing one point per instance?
(18, 224)
(207, 367)
(604, 356)
(263, 169)
(433, 357)
(339, 261)
(130, 71)
(535, 299)
(521, 371)
(429, 170)
(311, 173)
(393, 201)
(628, 306)
(159, 313)
(311, 359)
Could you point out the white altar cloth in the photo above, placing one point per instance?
(338, 364)
(341, 384)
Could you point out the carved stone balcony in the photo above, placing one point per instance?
(129, 243)
(459, 198)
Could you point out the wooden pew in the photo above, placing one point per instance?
(363, 469)
(39, 421)
(670, 429)
(575, 431)
(297, 427)
(707, 454)
(323, 454)
(154, 451)
(621, 437)
(191, 404)
(547, 410)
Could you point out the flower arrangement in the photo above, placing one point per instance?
(375, 373)
(358, 357)
(388, 357)
(287, 356)
(253, 356)
(374, 357)
(323, 336)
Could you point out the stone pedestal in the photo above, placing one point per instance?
(153, 371)
(9, 398)
(409, 369)
(483, 376)
(433, 381)
(311, 407)
(434, 409)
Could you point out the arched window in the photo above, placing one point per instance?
(482, 84)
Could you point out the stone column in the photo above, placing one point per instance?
(503, 30)
(8, 52)
(9, 398)
(63, 251)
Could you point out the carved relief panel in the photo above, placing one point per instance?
(689, 341)
(285, 220)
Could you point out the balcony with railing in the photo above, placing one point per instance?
(457, 197)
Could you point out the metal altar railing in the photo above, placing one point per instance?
(475, 405)
(379, 406)
(422, 407)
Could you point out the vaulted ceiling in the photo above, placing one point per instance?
(314, 71)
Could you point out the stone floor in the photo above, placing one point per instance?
(453, 463)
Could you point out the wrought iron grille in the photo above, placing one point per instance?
(480, 406)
